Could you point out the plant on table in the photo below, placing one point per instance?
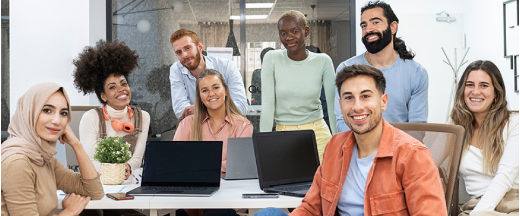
(112, 152)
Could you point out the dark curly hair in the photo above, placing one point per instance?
(95, 64)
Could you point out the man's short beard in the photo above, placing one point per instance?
(371, 125)
(196, 61)
(378, 45)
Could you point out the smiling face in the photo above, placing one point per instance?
(362, 104)
(292, 35)
(53, 120)
(377, 34)
(479, 92)
(212, 93)
(188, 52)
(117, 93)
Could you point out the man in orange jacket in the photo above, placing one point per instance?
(373, 169)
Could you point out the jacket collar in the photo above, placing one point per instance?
(386, 144)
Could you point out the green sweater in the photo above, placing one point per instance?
(291, 89)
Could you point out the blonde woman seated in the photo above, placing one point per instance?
(489, 165)
(215, 118)
(30, 174)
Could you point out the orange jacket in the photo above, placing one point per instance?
(403, 179)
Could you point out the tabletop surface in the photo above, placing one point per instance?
(229, 196)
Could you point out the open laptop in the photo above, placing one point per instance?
(286, 161)
(241, 162)
(181, 168)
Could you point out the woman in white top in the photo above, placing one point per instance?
(489, 165)
(104, 70)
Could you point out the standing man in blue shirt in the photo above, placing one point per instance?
(183, 73)
(407, 80)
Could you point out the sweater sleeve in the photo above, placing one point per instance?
(137, 156)
(418, 104)
(268, 93)
(328, 85)
(507, 170)
(71, 182)
(89, 133)
(18, 189)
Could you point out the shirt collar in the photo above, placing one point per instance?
(226, 119)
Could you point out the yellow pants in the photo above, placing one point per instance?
(321, 132)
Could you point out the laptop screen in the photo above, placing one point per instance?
(182, 163)
(285, 157)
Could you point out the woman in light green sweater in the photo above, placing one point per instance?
(291, 83)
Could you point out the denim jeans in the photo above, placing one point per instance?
(271, 212)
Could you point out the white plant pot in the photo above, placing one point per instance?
(112, 173)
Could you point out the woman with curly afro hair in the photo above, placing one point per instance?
(104, 70)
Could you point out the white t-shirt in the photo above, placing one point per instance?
(492, 188)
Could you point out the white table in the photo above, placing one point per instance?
(228, 197)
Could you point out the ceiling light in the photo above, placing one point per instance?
(259, 5)
(249, 17)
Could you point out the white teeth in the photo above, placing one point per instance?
(360, 117)
(476, 100)
(122, 96)
(213, 100)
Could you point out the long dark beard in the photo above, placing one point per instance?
(377, 46)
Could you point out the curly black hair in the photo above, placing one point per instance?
(95, 64)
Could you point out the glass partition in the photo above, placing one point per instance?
(146, 26)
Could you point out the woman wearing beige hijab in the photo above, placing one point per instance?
(30, 173)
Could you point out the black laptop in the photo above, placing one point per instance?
(286, 161)
(181, 168)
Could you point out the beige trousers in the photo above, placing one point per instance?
(507, 206)
(321, 131)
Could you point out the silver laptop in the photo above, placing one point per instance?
(181, 168)
(241, 162)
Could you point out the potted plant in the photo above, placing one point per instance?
(112, 152)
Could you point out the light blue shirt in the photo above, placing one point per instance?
(351, 200)
(183, 84)
(407, 89)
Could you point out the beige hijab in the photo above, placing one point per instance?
(22, 128)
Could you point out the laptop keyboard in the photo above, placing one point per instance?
(172, 188)
(294, 188)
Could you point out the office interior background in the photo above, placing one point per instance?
(41, 38)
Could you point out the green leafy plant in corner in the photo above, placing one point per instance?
(112, 149)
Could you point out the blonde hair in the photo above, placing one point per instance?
(201, 110)
(299, 16)
(490, 135)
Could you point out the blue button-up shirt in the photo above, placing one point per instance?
(183, 84)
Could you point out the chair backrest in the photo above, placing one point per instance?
(445, 142)
(76, 115)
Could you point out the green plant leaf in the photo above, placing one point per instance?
(112, 149)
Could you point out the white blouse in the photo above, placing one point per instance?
(492, 188)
